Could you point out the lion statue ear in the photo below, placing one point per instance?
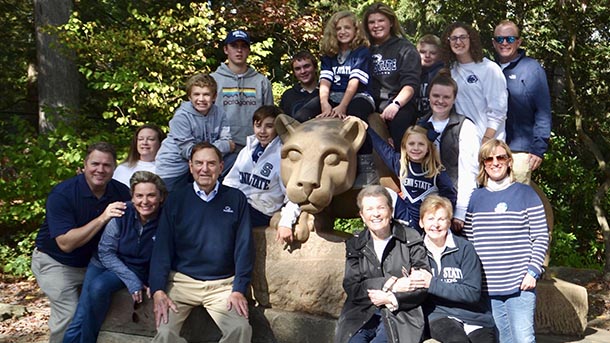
(354, 131)
(285, 126)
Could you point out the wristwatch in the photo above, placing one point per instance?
(395, 102)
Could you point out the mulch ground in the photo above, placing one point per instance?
(33, 326)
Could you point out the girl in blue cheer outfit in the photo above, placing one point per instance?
(419, 170)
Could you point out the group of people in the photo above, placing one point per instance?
(454, 255)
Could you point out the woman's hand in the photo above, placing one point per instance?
(379, 297)
(390, 111)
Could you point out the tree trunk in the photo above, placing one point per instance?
(604, 185)
(58, 80)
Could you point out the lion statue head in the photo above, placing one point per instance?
(318, 158)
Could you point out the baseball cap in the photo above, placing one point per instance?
(236, 35)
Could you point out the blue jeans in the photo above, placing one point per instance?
(514, 317)
(372, 331)
(98, 287)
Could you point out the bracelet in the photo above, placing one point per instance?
(395, 102)
(487, 137)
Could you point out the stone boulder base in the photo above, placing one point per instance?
(561, 308)
(298, 296)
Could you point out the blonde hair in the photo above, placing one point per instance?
(329, 45)
(433, 203)
(487, 149)
(431, 164)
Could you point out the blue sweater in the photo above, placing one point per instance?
(509, 231)
(416, 187)
(126, 246)
(455, 288)
(528, 123)
(204, 240)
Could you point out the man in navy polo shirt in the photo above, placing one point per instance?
(76, 212)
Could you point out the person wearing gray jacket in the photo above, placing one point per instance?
(241, 89)
(197, 120)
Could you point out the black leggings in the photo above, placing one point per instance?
(448, 330)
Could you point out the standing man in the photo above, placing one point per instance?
(203, 253)
(528, 126)
(241, 89)
(305, 69)
(76, 212)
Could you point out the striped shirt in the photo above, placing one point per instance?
(509, 231)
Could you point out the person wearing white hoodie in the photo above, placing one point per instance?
(241, 89)
(195, 121)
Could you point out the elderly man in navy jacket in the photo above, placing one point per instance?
(203, 253)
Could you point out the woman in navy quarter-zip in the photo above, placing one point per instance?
(122, 259)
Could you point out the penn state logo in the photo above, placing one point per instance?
(501, 207)
(472, 79)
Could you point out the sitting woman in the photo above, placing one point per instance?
(379, 260)
(454, 308)
(143, 149)
(122, 259)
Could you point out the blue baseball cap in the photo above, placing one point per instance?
(236, 35)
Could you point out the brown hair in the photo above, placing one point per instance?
(266, 111)
(476, 49)
(205, 145)
(201, 80)
(443, 78)
(102, 147)
(430, 39)
(385, 10)
(134, 156)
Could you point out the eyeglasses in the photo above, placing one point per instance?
(460, 38)
(502, 159)
(509, 39)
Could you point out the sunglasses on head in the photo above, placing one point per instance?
(500, 158)
(509, 39)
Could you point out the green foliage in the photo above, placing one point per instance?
(30, 165)
(135, 57)
(15, 253)
(18, 50)
(349, 225)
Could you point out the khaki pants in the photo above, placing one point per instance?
(187, 293)
(521, 167)
(61, 284)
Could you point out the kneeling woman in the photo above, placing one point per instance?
(123, 257)
(379, 260)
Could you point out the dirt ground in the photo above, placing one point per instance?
(33, 326)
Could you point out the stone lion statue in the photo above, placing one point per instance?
(318, 167)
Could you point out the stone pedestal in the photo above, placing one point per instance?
(561, 308)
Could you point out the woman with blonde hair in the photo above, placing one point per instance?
(505, 221)
(344, 76)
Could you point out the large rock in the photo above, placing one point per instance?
(561, 308)
(303, 278)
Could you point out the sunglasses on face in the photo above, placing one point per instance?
(502, 159)
(509, 39)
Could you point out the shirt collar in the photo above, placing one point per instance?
(202, 194)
